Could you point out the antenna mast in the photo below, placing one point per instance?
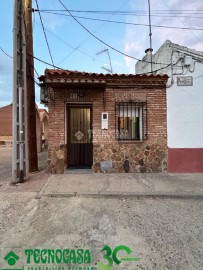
(150, 32)
(107, 69)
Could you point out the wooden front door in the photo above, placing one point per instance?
(80, 147)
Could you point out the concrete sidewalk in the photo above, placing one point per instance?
(148, 184)
(110, 185)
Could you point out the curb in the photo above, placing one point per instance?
(124, 194)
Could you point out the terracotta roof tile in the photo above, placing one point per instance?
(61, 73)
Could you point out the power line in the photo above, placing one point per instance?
(27, 63)
(26, 60)
(30, 73)
(45, 34)
(70, 46)
(6, 53)
(114, 49)
(24, 20)
(182, 21)
(127, 23)
(138, 13)
(96, 30)
(154, 71)
(44, 62)
(34, 69)
(132, 12)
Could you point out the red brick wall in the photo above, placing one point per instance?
(56, 132)
(6, 120)
(156, 110)
(149, 155)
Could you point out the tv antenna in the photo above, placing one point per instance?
(110, 70)
(150, 32)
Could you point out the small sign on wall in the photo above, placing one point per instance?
(185, 81)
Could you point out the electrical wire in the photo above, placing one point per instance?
(132, 12)
(6, 53)
(30, 73)
(26, 61)
(26, 48)
(126, 23)
(28, 65)
(45, 35)
(182, 22)
(70, 46)
(96, 30)
(33, 22)
(114, 49)
(42, 61)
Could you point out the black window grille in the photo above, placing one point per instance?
(131, 121)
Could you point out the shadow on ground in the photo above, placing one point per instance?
(6, 162)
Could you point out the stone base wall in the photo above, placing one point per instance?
(137, 157)
(57, 159)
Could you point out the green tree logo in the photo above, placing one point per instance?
(11, 258)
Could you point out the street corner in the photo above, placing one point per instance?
(34, 183)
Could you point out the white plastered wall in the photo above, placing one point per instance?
(185, 112)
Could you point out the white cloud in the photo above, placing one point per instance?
(116, 63)
(52, 21)
(136, 38)
(6, 85)
(132, 48)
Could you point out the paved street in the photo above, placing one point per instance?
(6, 162)
(159, 216)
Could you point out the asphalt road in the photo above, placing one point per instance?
(165, 233)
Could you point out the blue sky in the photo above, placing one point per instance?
(74, 48)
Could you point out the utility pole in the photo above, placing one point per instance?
(31, 110)
(19, 122)
(150, 32)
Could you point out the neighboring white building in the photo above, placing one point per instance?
(184, 103)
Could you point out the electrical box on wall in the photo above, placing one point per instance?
(104, 120)
(187, 60)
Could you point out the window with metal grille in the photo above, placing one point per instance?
(130, 121)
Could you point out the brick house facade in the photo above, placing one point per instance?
(106, 122)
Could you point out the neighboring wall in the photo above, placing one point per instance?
(6, 125)
(184, 106)
(185, 124)
(6, 121)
